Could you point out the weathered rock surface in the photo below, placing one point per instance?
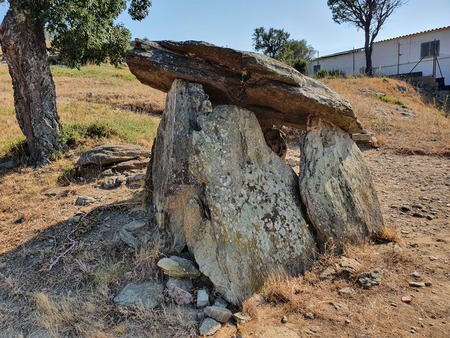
(149, 295)
(218, 313)
(111, 154)
(178, 267)
(235, 202)
(276, 93)
(169, 182)
(336, 187)
(209, 326)
(249, 221)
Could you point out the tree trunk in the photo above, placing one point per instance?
(24, 48)
(368, 53)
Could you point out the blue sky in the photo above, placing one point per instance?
(231, 23)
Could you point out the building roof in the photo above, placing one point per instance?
(356, 50)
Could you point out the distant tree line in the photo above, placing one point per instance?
(276, 44)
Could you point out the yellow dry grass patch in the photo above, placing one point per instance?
(427, 131)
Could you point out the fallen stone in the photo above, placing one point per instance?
(415, 274)
(220, 302)
(417, 284)
(202, 298)
(209, 326)
(348, 291)
(178, 267)
(149, 295)
(349, 265)
(84, 200)
(182, 283)
(310, 315)
(406, 299)
(336, 187)
(218, 313)
(59, 191)
(180, 296)
(111, 154)
(428, 284)
(276, 93)
(369, 279)
(111, 183)
(133, 234)
(179, 289)
(131, 165)
(328, 274)
(241, 317)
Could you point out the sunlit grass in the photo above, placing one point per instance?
(93, 71)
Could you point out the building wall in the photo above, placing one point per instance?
(395, 56)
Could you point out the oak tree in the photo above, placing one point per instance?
(369, 15)
(81, 31)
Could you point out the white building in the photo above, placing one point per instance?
(421, 54)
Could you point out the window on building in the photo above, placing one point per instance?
(316, 68)
(429, 49)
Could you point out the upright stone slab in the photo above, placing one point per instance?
(169, 182)
(336, 187)
(248, 221)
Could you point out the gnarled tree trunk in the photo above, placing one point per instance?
(24, 48)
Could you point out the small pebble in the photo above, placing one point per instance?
(347, 321)
(309, 315)
(432, 258)
(284, 319)
(406, 299)
(428, 284)
(415, 274)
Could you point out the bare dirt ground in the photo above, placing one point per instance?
(72, 300)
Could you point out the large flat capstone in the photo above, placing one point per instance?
(275, 92)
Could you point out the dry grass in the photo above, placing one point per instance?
(427, 131)
(75, 298)
(369, 311)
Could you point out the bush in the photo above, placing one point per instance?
(322, 73)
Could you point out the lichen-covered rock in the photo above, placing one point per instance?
(336, 187)
(248, 221)
(169, 182)
(111, 154)
(275, 92)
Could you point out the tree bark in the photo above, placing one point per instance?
(25, 51)
(368, 54)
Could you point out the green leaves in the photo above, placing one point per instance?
(270, 42)
(276, 44)
(84, 31)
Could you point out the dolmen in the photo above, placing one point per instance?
(221, 192)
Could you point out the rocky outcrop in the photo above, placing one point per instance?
(276, 93)
(111, 154)
(234, 202)
(336, 187)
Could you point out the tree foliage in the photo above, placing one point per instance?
(369, 15)
(83, 31)
(276, 44)
(270, 42)
(80, 31)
